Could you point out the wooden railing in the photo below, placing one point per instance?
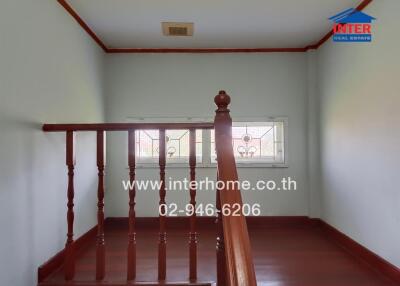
(234, 258)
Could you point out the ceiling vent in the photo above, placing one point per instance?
(177, 29)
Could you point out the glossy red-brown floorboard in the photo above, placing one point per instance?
(283, 255)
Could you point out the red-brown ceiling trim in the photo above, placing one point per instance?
(315, 46)
(82, 23)
(92, 34)
(204, 51)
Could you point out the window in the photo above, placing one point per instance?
(255, 143)
(176, 146)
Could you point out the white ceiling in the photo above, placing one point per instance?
(217, 23)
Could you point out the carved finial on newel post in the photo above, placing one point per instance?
(222, 100)
(223, 121)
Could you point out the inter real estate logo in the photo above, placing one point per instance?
(352, 25)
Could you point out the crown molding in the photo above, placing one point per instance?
(105, 48)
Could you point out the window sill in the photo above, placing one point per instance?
(211, 166)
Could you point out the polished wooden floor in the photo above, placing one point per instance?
(284, 255)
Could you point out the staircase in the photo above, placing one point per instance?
(234, 263)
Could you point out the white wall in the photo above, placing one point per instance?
(313, 136)
(360, 134)
(50, 71)
(170, 85)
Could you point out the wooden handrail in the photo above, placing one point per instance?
(125, 126)
(239, 265)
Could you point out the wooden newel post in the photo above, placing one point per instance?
(223, 126)
(132, 193)
(234, 258)
(69, 264)
(100, 245)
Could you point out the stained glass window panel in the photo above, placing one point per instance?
(254, 142)
(176, 145)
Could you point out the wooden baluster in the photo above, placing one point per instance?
(100, 245)
(193, 233)
(162, 244)
(69, 264)
(132, 193)
(220, 248)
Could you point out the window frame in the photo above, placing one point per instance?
(152, 164)
(206, 142)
